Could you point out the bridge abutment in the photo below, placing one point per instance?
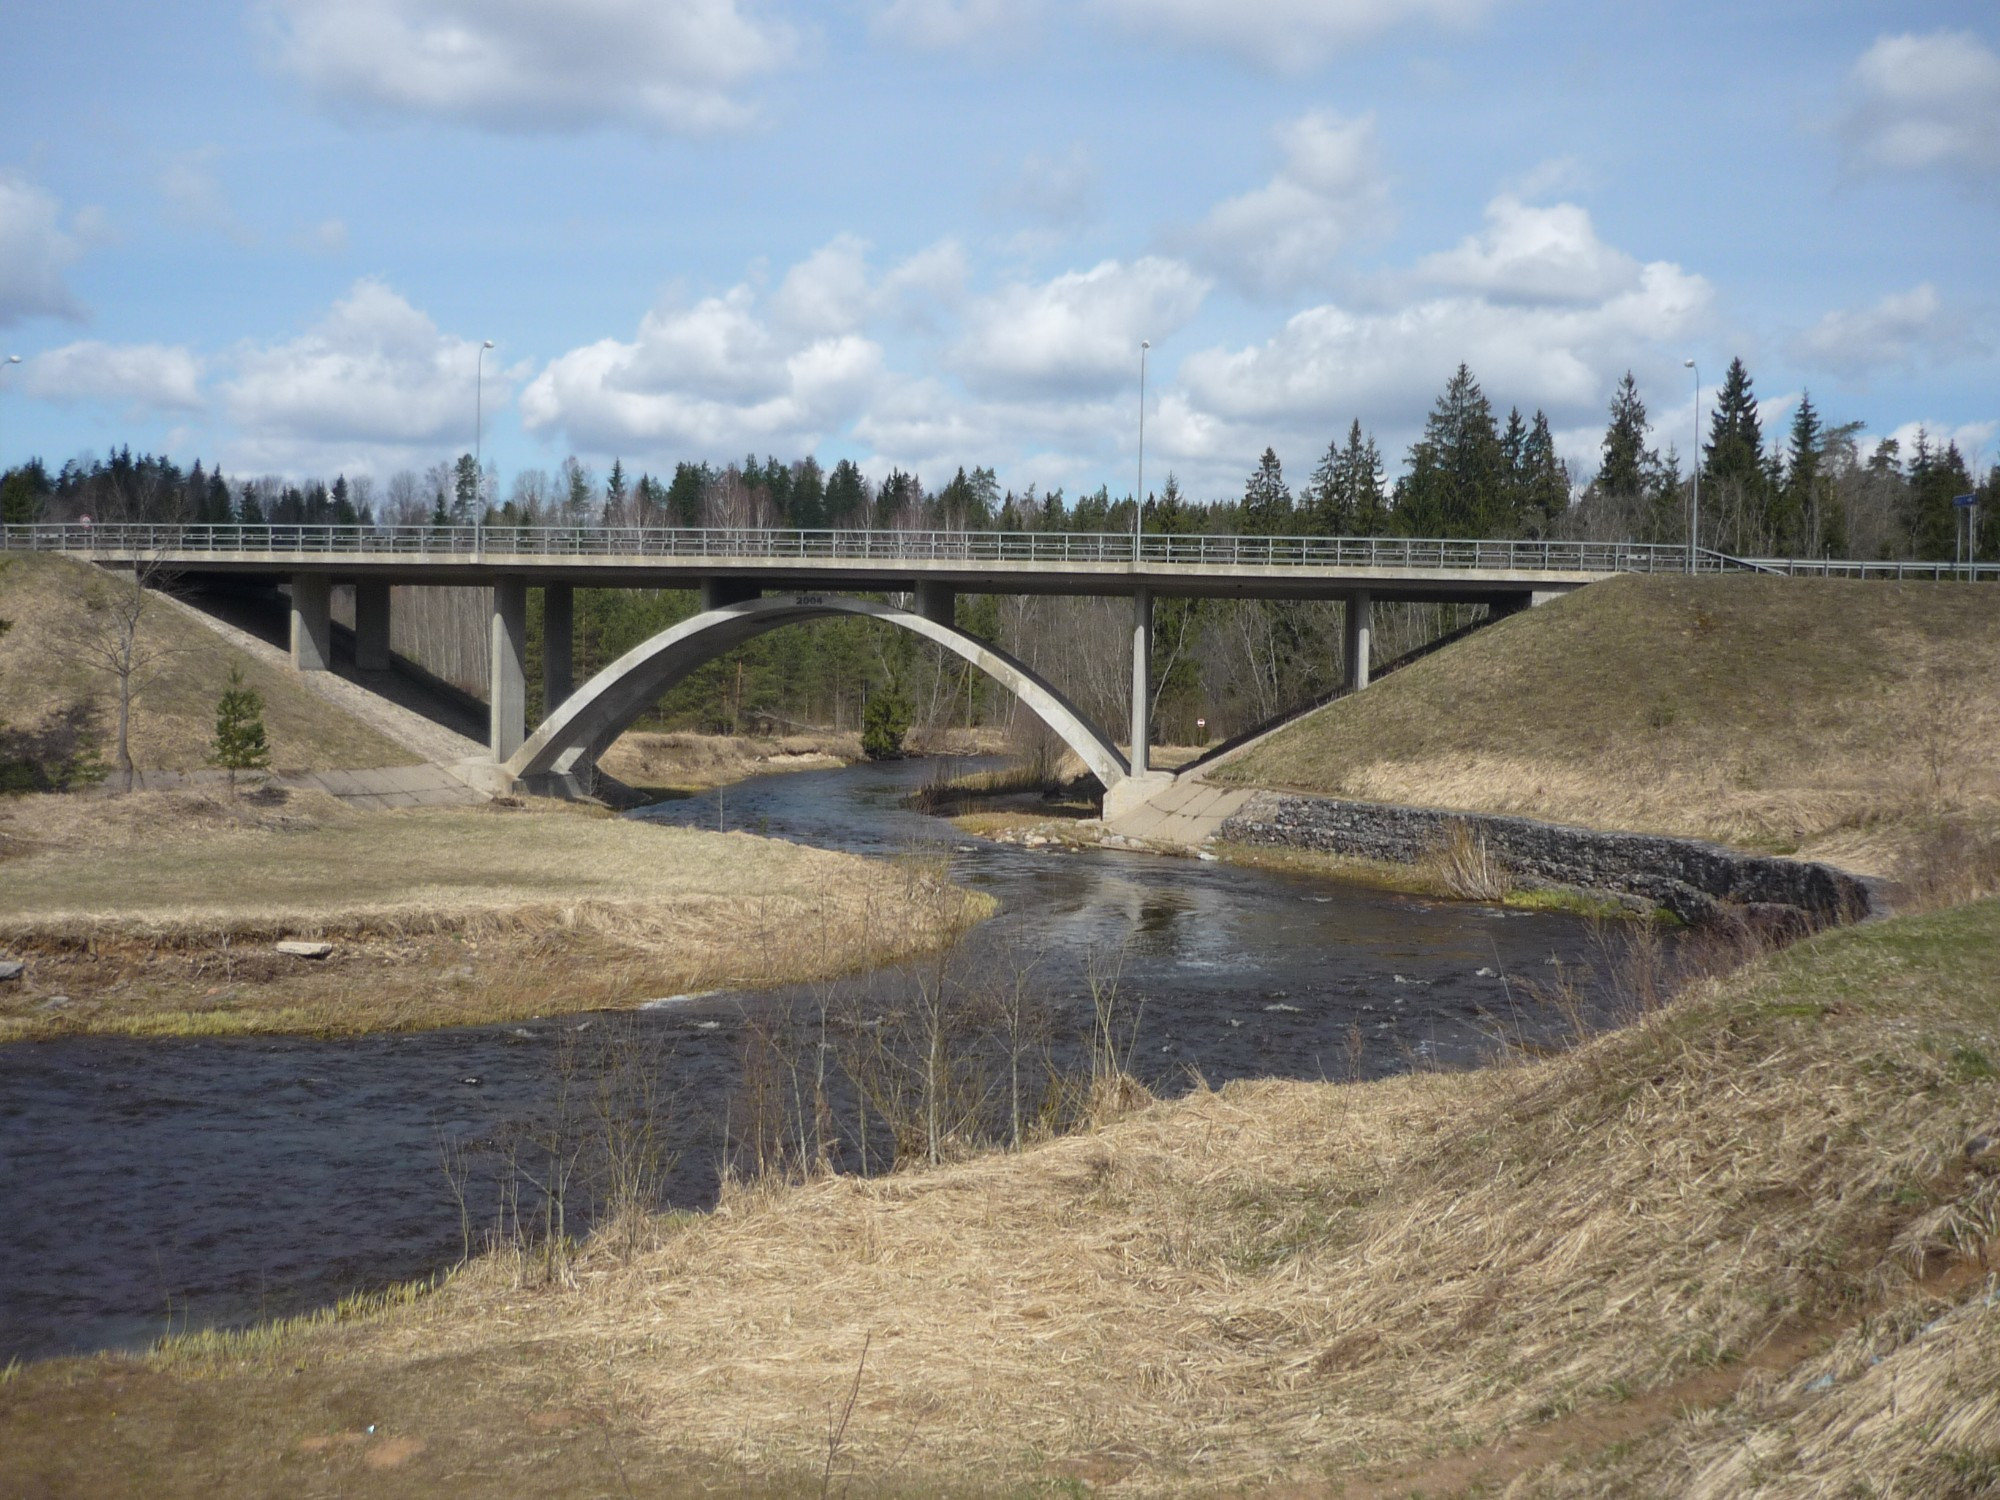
(507, 695)
(312, 622)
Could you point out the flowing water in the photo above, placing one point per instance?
(149, 1185)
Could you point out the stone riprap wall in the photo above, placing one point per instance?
(1696, 881)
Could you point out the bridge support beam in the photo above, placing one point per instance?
(1142, 677)
(558, 645)
(1357, 638)
(937, 602)
(718, 591)
(507, 696)
(312, 622)
(371, 625)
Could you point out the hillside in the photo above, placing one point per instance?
(173, 723)
(1827, 717)
(1710, 1253)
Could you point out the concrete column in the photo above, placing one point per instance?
(312, 622)
(1142, 677)
(558, 645)
(507, 697)
(720, 589)
(371, 625)
(1357, 640)
(937, 602)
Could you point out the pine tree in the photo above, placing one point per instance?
(1267, 500)
(239, 730)
(846, 496)
(1455, 483)
(1929, 519)
(686, 494)
(615, 491)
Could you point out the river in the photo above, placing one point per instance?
(154, 1185)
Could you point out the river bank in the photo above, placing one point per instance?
(159, 914)
(1701, 1255)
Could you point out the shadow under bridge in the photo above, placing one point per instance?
(566, 746)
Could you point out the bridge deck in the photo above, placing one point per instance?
(1009, 562)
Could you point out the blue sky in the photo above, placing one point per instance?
(933, 232)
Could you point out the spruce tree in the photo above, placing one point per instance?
(1267, 501)
(1544, 479)
(1323, 508)
(1733, 476)
(1455, 483)
(465, 500)
(1626, 459)
(239, 730)
(1797, 507)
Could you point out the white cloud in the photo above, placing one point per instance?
(1285, 234)
(195, 196)
(1924, 102)
(1529, 254)
(35, 251)
(1330, 364)
(724, 375)
(328, 237)
(1284, 35)
(375, 377)
(949, 24)
(138, 376)
(1076, 332)
(1904, 329)
(517, 64)
(1057, 191)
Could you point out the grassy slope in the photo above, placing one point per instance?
(1625, 1269)
(1779, 714)
(153, 913)
(173, 720)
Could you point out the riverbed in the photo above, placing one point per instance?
(157, 1185)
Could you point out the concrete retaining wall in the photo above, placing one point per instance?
(1696, 881)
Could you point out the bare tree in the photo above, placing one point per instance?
(108, 635)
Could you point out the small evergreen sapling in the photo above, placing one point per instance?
(239, 730)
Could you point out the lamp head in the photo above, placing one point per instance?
(487, 345)
(13, 359)
(1687, 364)
(1145, 343)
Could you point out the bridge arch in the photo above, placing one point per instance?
(584, 726)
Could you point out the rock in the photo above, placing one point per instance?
(11, 968)
(460, 973)
(300, 949)
(54, 1002)
(470, 1080)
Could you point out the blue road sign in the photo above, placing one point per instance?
(1965, 502)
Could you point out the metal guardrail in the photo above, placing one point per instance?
(633, 543)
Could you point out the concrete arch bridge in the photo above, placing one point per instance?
(560, 753)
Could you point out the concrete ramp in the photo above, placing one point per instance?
(1184, 813)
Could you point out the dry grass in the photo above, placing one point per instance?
(1826, 718)
(680, 762)
(1328, 1289)
(156, 913)
(173, 721)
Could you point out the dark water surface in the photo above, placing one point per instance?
(145, 1184)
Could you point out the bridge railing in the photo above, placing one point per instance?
(622, 543)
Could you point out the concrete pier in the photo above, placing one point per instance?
(507, 700)
(312, 622)
(558, 645)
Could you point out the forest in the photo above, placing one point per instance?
(1221, 665)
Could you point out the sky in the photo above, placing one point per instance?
(276, 235)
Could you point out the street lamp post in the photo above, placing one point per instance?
(479, 430)
(1694, 518)
(1139, 496)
